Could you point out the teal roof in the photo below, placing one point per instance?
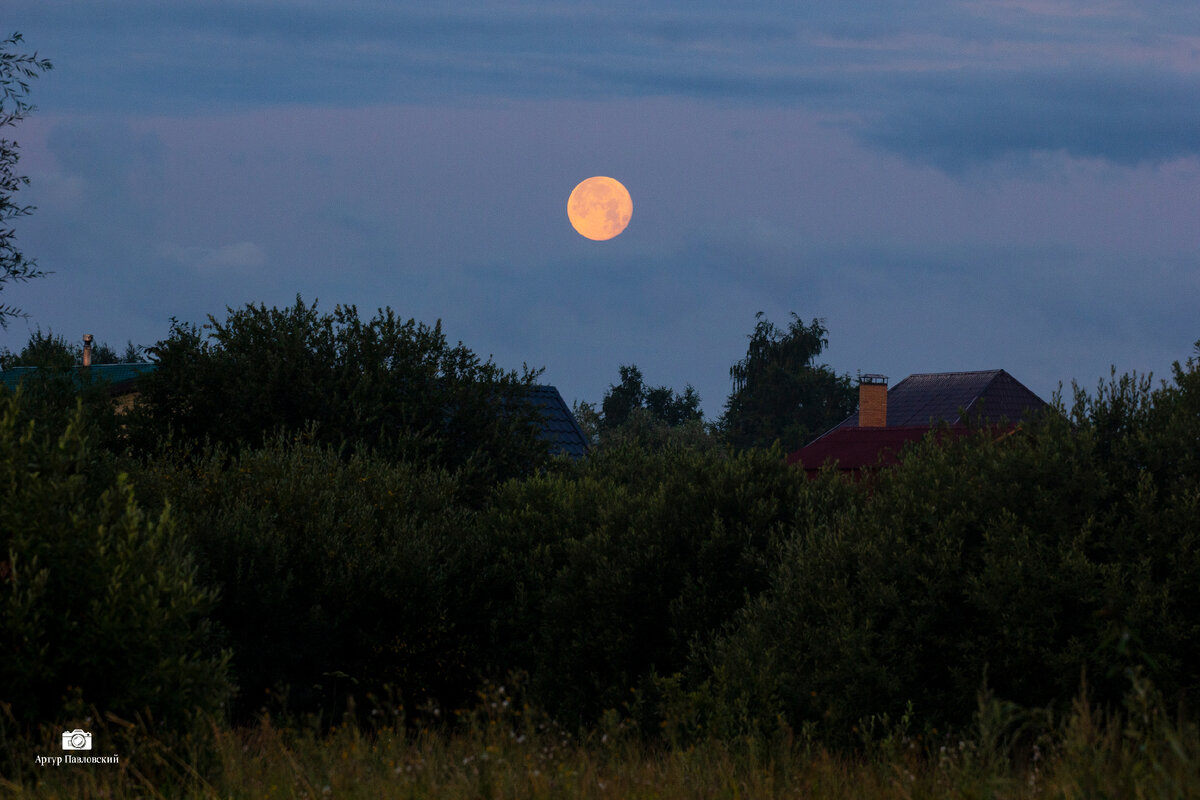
(114, 374)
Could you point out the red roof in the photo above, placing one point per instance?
(913, 406)
(854, 448)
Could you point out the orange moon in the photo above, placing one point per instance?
(599, 208)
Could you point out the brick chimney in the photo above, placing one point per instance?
(87, 349)
(872, 401)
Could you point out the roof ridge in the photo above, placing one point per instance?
(959, 372)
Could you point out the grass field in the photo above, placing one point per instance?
(500, 751)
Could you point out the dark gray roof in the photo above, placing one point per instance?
(559, 426)
(929, 398)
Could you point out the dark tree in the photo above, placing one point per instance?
(133, 353)
(631, 409)
(394, 387)
(100, 606)
(16, 70)
(52, 351)
(780, 392)
(662, 402)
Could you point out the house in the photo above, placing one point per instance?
(558, 425)
(888, 419)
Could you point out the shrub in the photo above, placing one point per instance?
(337, 574)
(99, 600)
(396, 387)
(52, 394)
(1026, 560)
(595, 579)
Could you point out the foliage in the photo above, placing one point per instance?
(396, 387)
(16, 70)
(594, 579)
(661, 402)
(780, 392)
(52, 351)
(635, 412)
(373, 510)
(337, 575)
(99, 600)
(57, 385)
(1025, 560)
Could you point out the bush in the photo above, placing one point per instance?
(594, 580)
(52, 394)
(338, 575)
(398, 388)
(99, 600)
(1023, 560)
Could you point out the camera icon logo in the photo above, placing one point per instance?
(77, 740)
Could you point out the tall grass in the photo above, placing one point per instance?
(503, 749)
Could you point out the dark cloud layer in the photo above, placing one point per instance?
(955, 121)
(944, 84)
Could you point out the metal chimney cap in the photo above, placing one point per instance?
(871, 378)
(87, 337)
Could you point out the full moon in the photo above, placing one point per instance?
(599, 208)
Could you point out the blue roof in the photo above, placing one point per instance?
(114, 374)
(559, 427)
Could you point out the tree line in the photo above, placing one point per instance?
(307, 508)
(780, 391)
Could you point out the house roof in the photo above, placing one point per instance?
(559, 426)
(914, 406)
(854, 448)
(929, 398)
(119, 376)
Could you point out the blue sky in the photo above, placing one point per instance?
(949, 185)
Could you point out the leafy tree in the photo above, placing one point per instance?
(337, 575)
(779, 392)
(16, 70)
(53, 351)
(133, 354)
(395, 387)
(54, 390)
(99, 603)
(594, 578)
(631, 410)
(1028, 560)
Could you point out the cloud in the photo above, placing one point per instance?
(109, 159)
(956, 121)
(234, 54)
(229, 258)
(950, 84)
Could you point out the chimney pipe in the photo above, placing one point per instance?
(87, 349)
(872, 401)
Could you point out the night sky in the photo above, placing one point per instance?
(949, 185)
